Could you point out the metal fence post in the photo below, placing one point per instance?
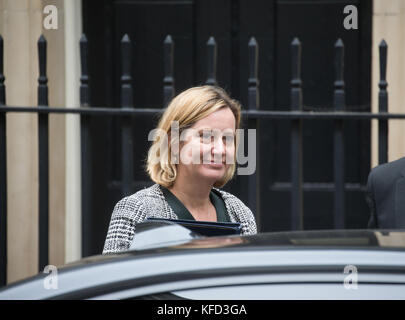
(86, 149)
(3, 176)
(339, 152)
(253, 104)
(296, 139)
(126, 102)
(383, 106)
(43, 150)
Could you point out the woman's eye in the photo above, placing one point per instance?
(228, 139)
(206, 137)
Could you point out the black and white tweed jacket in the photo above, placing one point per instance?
(150, 202)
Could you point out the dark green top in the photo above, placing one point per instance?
(182, 212)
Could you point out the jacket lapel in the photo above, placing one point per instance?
(400, 202)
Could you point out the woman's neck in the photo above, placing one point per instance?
(193, 196)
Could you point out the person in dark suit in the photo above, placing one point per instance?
(386, 195)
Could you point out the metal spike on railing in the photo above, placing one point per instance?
(2, 78)
(296, 95)
(339, 150)
(296, 138)
(126, 86)
(383, 105)
(253, 81)
(383, 47)
(84, 78)
(42, 79)
(3, 176)
(339, 82)
(168, 80)
(211, 61)
(43, 153)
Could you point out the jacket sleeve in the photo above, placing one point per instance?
(249, 222)
(127, 212)
(370, 199)
(242, 214)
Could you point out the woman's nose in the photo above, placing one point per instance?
(218, 147)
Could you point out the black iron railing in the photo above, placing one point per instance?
(254, 113)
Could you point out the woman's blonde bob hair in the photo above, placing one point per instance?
(187, 108)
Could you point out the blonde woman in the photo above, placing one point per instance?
(192, 156)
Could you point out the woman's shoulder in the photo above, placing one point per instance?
(148, 193)
(229, 197)
(239, 211)
(142, 200)
(131, 210)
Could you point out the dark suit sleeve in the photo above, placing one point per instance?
(370, 199)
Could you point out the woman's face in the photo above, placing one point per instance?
(209, 148)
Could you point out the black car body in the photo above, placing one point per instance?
(328, 264)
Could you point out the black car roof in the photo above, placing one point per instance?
(322, 239)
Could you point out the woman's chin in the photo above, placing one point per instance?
(214, 166)
(212, 171)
